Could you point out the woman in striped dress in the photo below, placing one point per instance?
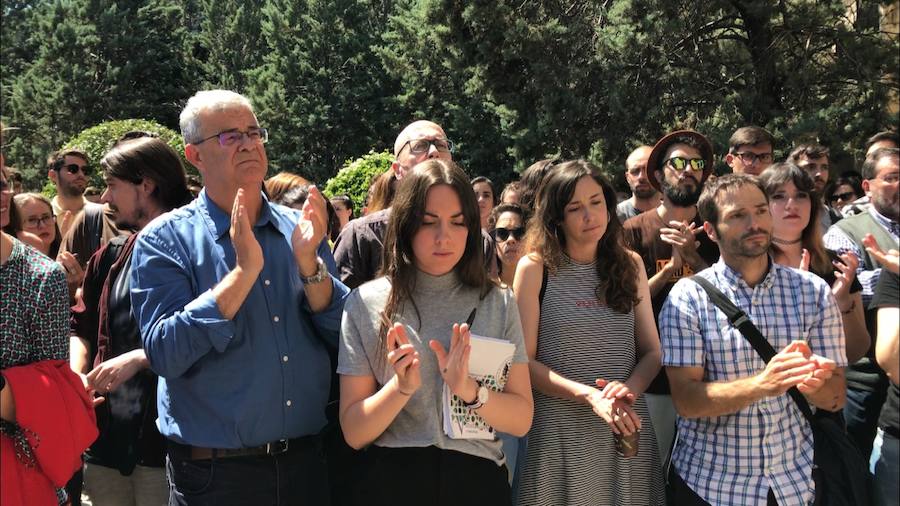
(593, 349)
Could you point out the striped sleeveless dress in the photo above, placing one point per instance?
(571, 458)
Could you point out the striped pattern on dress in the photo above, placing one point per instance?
(571, 457)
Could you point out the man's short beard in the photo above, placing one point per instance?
(888, 209)
(681, 197)
(69, 190)
(644, 194)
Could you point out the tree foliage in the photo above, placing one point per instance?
(355, 178)
(97, 140)
(511, 81)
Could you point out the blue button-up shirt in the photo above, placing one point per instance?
(735, 458)
(263, 375)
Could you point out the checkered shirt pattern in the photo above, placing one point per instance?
(735, 458)
(836, 240)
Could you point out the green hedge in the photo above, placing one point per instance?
(97, 140)
(357, 175)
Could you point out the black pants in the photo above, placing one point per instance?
(416, 476)
(680, 494)
(296, 477)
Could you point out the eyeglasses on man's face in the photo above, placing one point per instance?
(73, 169)
(750, 158)
(234, 136)
(422, 146)
(503, 234)
(680, 164)
(892, 178)
(38, 221)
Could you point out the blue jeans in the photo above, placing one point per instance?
(885, 464)
(296, 477)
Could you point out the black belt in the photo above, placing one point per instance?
(274, 448)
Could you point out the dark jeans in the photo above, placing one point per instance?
(861, 413)
(296, 477)
(418, 476)
(680, 494)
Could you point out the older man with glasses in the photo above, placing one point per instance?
(237, 309)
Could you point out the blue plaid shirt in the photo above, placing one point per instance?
(735, 458)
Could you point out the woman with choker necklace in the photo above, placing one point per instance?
(797, 242)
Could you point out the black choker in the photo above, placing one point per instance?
(782, 241)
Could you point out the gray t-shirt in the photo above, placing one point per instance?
(626, 209)
(441, 301)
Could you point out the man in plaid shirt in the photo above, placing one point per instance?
(741, 438)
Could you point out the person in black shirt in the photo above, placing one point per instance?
(885, 461)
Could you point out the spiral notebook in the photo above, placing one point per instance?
(489, 363)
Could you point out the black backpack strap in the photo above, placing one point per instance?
(742, 322)
(543, 286)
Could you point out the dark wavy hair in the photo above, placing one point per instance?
(137, 158)
(811, 238)
(407, 213)
(616, 271)
(530, 182)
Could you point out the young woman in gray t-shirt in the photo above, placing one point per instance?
(402, 339)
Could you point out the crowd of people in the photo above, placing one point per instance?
(251, 342)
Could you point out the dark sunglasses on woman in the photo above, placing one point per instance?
(502, 234)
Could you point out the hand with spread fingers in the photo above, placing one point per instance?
(247, 250)
(310, 230)
(890, 259)
(454, 365)
(404, 358)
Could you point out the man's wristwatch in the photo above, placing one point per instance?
(480, 399)
(320, 275)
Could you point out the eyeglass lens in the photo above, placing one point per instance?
(37, 221)
(420, 146)
(257, 135)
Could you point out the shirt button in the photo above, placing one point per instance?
(276, 319)
(267, 282)
(284, 358)
(288, 403)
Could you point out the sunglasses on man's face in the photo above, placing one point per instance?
(73, 169)
(502, 234)
(679, 163)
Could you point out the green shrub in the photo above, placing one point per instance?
(357, 175)
(98, 139)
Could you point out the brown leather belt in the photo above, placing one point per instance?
(269, 449)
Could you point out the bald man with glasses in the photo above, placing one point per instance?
(358, 250)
